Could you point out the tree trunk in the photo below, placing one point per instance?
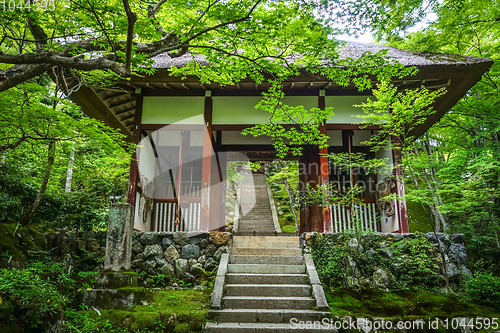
(445, 268)
(69, 174)
(434, 194)
(291, 197)
(41, 193)
(436, 229)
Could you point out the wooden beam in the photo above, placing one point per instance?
(129, 109)
(122, 103)
(118, 90)
(133, 85)
(107, 98)
(134, 170)
(132, 115)
(327, 86)
(184, 86)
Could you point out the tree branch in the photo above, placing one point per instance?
(18, 74)
(220, 25)
(152, 9)
(131, 18)
(70, 62)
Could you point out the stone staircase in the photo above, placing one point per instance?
(263, 284)
(259, 216)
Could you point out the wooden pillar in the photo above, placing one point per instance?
(218, 191)
(134, 170)
(305, 223)
(400, 189)
(222, 204)
(206, 177)
(324, 167)
(311, 219)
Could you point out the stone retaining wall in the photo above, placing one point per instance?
(452, 246)
(178, 255)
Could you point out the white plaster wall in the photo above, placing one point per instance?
(146, 159)
(138, 223)
(171, 109)
(241, 109)
(344, 110)
(237, 110)
(389, 224)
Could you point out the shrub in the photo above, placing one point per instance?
(32, 298)
(413, 264)
(275, 187)
(289, 217)
(484, 289)
(285, 209)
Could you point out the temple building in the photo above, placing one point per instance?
(188, 131)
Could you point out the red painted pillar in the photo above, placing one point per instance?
(400, 189)
(305, 223)
(324, 167)
(311, 219)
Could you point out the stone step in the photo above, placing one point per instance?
(267, 238)
(251, 212)
(255, 225)
(256, 220)
(266, 269)
(266, 251)
(266, 245)
(271, 302)
(262, 228)
(244, 224)
(285, 290)
(266, 315)
(247, 278)
(261, 328)
(270, 260)
(260, 211)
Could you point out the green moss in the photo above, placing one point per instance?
(177, 310)
(182, 328)
(28, 238)
(148, 320)
(371, 303)
(177, 301)
(419, 217)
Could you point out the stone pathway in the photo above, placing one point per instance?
(259, 218)
(263, 284)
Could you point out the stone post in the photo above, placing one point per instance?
(119, 238)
